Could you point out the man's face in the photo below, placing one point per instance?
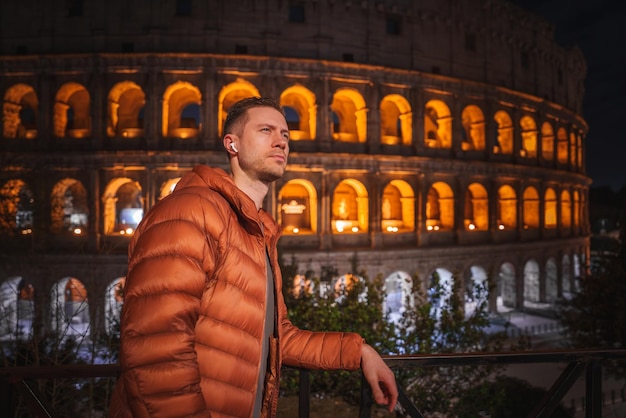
(264, 145)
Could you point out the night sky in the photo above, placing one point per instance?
(598, 27)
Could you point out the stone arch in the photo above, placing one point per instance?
(69, 204)
(72, 111)
(440, 291)
(17, 205)
(547, 141)
(566, 276)
(552, 273)
(349, 114)
(572, 149)
(532, 282)
(123, 206)
(566, 209)
(297, 201)
(125, 106)
(476, 216)
(398, 297)
(504, 134)
(398, 207)
(476, 292)
(181, 111)
(506, 287)
(231, 94)
(168, 187)
(549, 201)
(507, 207)
(303, 103)
(113, 301)
(473, 132)
(70, 308)
(396, 120)
(20, 110)
(530, 208)
(561, 149)
(529, 137)
(437, 124)
(440, 207)
(17, 309)
(350, 207)
(343, 284)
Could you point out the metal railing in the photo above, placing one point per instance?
(577, 363)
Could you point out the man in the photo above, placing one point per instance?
(204, 328)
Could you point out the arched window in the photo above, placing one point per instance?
(396, 120)
(398, 207)
(114, 299)
(441, 284)
(350, 207)
(476, 291)
(572, 149)
(507, 207)
(344, 284)
(70, 307)
(530, 208)
(576, 209)
(547, 141)
(529, 137)
(440, 207)
(532, 284)
(476, 208)
(437, 125)
(17, 309)
(349, 107)
(123, 206)
(181, 111)
(300, 109)
(298, 207)
(561, 146)
(506, 292)
(19, 112)
(125, 106)
(504, 134)
(566, 209)
(473, 128)
(549, 202)
(16, 208)
(69, 208)
(398, 297)
(72, 113)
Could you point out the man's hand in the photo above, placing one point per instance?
(380, 377)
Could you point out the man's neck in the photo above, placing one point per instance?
(255, 190)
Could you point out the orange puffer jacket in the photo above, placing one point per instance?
(194, 308)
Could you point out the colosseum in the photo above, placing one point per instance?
(428, 139)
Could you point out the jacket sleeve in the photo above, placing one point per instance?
(168, 261)
(317, 350)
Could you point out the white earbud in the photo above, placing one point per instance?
(233, 147)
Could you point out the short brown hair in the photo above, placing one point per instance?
(237, 114)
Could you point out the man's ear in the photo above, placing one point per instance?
(229, 144)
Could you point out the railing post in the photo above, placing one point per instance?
(365, 406)
(593, 389)
(304, 397)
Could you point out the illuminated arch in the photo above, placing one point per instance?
(16, 208)
(396, 120)
(532, 283)
(297, 213)
(566, 209)
(440, 207)
(398, 296)
(18, 309)
(125, 110)
(398, 207)
(302, 101)
(561, 138)
(181, 110)
(529, 137)
(70, 307)
(551, 280)
(69, 207)
(168, 187)
(349, 114)
(440, 290)
(506, 292)
(547, 141)
(229, 95)
(476, 292)
(113, 301)
(572, 149)
(72, 117)
(579, 151)
(504, 133)
(549, 202)
(19, 112)
(476, 208)
(437, 125)
(350, 207)
(507, 207)
(302, 285)
(530, 208)
(123, 206)
(576, 209)
(473, 132)
(342, 285)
